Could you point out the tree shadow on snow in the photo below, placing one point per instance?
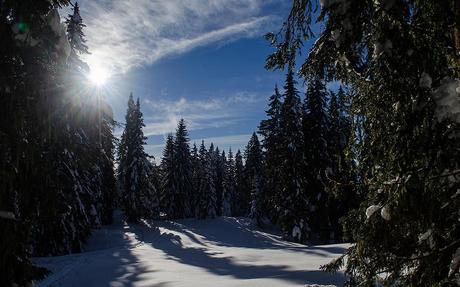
(239, 232)
(214, 263)
(113, 264)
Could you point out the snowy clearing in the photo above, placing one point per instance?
(216, 252)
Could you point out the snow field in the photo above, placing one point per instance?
(224, 251)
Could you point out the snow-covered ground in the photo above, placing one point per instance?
(216, 252)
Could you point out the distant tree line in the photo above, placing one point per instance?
(189, 182)
(298, 177)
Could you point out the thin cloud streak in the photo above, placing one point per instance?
(225, 142)
(124, 34)
(162, 116)
(233, 142)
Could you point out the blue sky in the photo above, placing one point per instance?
(202, 60)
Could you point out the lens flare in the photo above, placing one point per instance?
(98, 75)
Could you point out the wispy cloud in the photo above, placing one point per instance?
(162, 115)
(224, 143)
(123, 34)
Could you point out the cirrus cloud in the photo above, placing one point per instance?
(161, 116)
(124, 34)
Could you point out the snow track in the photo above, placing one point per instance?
(216, 252)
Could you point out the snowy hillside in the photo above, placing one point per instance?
(216, 252)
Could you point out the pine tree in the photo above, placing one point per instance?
(270, 131)
(220, 169)
(139, 197)
(254, 179)
(155, 179)
(55, 188)
(202, 182)
(168, 185)
(63, 204)
(182, 172)
(207, 194)
(341, 175)
(292, 201)
(401, 59)
(94, 117)
(75, 31)
(196, 168)
(77, 39)
(91, 125)
(108, 194)
(37, 176)
(221, 175)
(242, 192)
(229, 188)
(318, 162)
(210, 169)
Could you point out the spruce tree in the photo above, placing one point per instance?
(341, 175)
(229, 188)
(139, 197)
(207, 194)
(219, 179)
(75, 27)
(94, 117)
(318, 163)
(203, 181)
(107, 144)
(91, 124)
(196, 167)
(168, 185)
(210, 169)
(242, 193)
(52, 170)
(40, 192)
(77, 39)
(401, 59)
(292, 202)
(254, 178)
(76, 189)
(63, 204)
(271, 145)
(182, 172)
(221, 175)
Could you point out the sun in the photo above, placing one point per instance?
(98, 75)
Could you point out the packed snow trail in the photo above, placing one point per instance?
(215, 252)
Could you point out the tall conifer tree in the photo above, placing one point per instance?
(41, 192)
(182, 172)
(139, 197)
(255, 179)
(317, 161)
(272, 147)
(168, 185)
(77, 39)
(292, 201)
(219, 177)
(207, 194)
(229, 188)
(195, 166)
(242, 193)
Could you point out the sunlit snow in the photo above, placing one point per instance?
(216, 252)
